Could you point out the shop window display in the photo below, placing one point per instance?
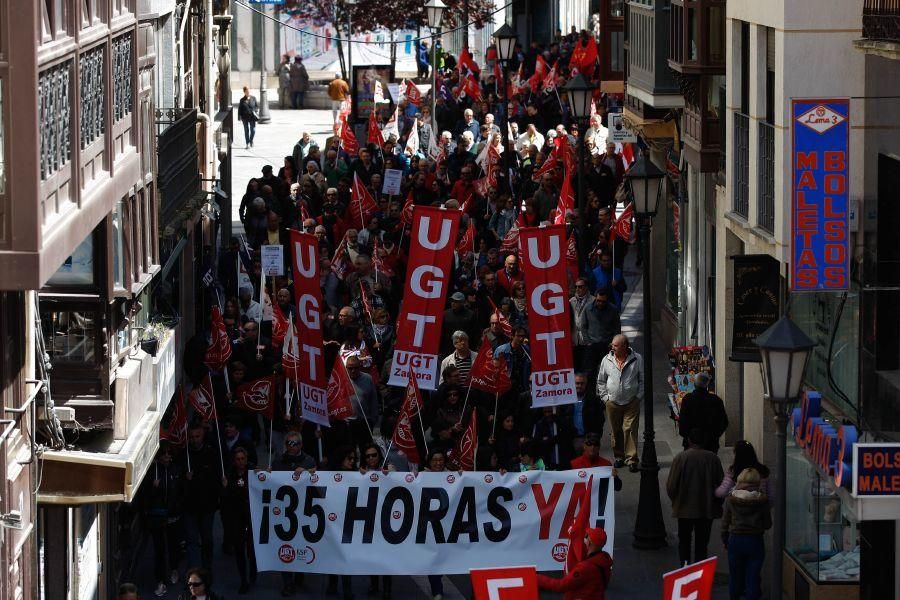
(822, 535)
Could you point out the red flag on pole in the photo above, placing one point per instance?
(462, 457)
(549, 82)
(340, 263)
(290, 353)
(467, 242)
(488, 376)
(623, 226)
(279, 325)
(176, 432)
(362, 204)
(472, 89)
(219, 350)
(413, 94)
(340, 388)
(203, 399)
(374, 134)
(257, 396)
(510, 241)
(378, 260)
(466, 60)
(584, 55)
(407, 215)
(578, 527)
(348, 141)
(566, 203)
(403, 431)
(572, 251)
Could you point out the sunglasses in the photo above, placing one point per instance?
(194, 584)
(291, 443)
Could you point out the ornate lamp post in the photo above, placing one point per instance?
(435, 12)
(579, 92)
(505, 40)
(263, 93)
(646, 182)
(785, 351)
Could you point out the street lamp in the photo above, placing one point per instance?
(785, 351)
(435, 11)
(505, 42)
(646, 182)
(579, 92)
(263, 93)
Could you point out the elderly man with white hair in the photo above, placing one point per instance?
(531, 137)
(461, 357)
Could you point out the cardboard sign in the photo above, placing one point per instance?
(506, 583)
(617, 131)
(693, 582)
(392, 180)
(272, 259)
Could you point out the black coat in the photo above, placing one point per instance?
(203, 489)
(705, 411)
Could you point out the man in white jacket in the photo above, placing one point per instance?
(620, 385)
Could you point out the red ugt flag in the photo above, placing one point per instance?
(505, 325)
(340, 388)
(403, 430)
(623, 227)
(348, 141)
(290, 353)
(362, 204)
(488, 376)
(467, 242)
(463, 454)
(584, 55)
(219, 350)
(466, 60)
(579, 527)
(203, 400)
(279, 325)
(176, 433)
(257, 396)
(693, 582)
(374, 134)
(413, 94)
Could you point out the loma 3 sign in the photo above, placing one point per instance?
(871, 469)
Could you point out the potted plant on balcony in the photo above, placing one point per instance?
(153, 334)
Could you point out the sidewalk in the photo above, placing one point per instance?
(638, 573)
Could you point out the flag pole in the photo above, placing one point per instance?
(319, 440)
(390, 444)
(287, 398)
(271, 422)
(494, 421)
(422, 425)
(466, 401)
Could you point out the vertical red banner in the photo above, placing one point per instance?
(431, 248)
(544, 266)
(311, 379)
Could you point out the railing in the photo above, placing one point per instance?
(765, 210)
(741, 164)
(881, 20)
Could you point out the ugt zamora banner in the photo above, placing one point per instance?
(311, 379)
(430, 523)
(422, 312)
(546, 282)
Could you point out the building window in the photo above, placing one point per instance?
(118, 246)
(54, 19)
(617, 8)
(55, 108)
(2, 145)
(617, 51)
(93, 117)
(92, 12)
(70, 335)
(122, 76)
(717, 34)
(741, 164)
(766, 204)
(78, 269)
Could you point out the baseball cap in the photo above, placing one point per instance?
(597, 535)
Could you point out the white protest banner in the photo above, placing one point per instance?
(271, 258)
(392, 180)
(546, 281)
(425, 524)
(617, 130)
(427, 280)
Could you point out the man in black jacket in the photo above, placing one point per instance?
(704, 411)
(203, 486)
(296, 460)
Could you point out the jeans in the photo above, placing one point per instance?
(745, 561)
(249, 131)
(437, 584)
(298, 99)
(166, 539)
(199, 530)
(700, 528)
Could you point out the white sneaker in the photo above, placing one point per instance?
(160, 590)
(173, 576)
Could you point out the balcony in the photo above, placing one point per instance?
(652, 89)
(881, 28)
(697, 37)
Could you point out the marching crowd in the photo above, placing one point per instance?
(505, 164)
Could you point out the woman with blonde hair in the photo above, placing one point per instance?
(745, 519)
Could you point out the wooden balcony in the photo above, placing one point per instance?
(651, 86)
(697, 37)
(881, 28)
(702, 131)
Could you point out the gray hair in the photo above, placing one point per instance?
(460, 335)
(701, 380)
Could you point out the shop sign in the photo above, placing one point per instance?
(757, 302)
(829, 448)
(820, 186)
(876, 469)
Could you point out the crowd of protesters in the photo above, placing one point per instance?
(362, 270)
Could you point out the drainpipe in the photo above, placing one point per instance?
(185, 15)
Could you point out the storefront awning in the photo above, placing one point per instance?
(109, 474)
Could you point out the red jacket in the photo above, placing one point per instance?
(506, 282)
(582, 462)
(587, 581)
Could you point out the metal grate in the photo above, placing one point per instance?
(765, 210)
(93, 119)
(741, 164)
(122, 77)
(55, 108)
(881, 20)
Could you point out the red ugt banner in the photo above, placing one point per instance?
(544, 265)
(427, 279)
(505, 583)
(311, 380)
(693, 582)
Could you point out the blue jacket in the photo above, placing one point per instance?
(518, 364)
(603, 279)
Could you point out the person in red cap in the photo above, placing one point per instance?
(589, 578)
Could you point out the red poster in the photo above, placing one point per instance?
(693, 582)
(311, 380)
(427, 279)
(544, 265)
(507, 583)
